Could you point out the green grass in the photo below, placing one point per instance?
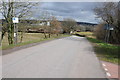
(28, 39)
(105, 51)
(93, 40)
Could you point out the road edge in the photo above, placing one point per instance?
(8, 51)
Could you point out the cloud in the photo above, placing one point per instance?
(80, 11)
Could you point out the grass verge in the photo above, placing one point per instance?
(4, 47)
(104, 51)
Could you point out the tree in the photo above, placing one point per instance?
(109, 13)
(12, 9)
(22, 29)
(45, 17)
(55, 26)
(100, 32)
(4, 29)
(69, 25)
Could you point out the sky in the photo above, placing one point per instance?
(80, 11)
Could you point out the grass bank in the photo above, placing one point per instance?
(29, 38)
(106, 52)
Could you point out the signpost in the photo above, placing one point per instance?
(111, 29)
(15, 20)
(48, 23)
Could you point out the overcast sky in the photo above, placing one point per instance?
(80, 11)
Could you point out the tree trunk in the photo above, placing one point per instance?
(21, 38)
(57, 34)
(45, 35)
(2, 35)
(10, 34)
(49, 35)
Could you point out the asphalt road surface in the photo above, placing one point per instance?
(71, 57)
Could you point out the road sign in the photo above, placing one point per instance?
(48, 23)
(14, 34)
(111, 29)
(15, 20)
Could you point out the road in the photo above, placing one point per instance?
(71, 57)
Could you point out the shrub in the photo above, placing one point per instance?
(100, 32)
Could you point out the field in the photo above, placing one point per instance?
(105, 51)
(29, 38)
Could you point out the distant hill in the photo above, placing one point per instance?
(34, 21)
(86, 23)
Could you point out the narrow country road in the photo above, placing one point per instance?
(71, 57)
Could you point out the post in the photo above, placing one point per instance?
(107, 33)
(15, 27)
(15, 33)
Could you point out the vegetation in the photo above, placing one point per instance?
(12, 9)
(69, 25)
(55, 27)
(107, 40)
(84, 28)
(100, 32)
(28, 39)
(109, 13)
(51, 27)
(105, 51)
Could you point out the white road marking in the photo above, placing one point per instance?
(106, 69)
(103, 64)
(108, 74)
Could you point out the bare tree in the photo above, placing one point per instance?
(12, 9)
(99, 31)
(22, 29)
(109, 13)
(55, 26)
(69, 25)
(46, 18)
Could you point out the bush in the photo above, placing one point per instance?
(100, 32)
